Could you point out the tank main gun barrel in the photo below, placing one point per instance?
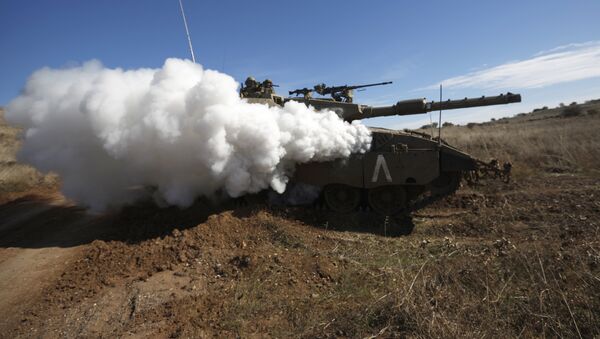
(475, 102)
(419, 106)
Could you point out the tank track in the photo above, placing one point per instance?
(424, 201)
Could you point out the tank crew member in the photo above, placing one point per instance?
(267, 88)
(251, 86)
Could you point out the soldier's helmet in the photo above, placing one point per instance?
(250, 82)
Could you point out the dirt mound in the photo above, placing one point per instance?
(189, 281)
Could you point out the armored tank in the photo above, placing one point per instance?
(402, 172)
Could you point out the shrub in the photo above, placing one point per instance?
(428, 126)
(571, 111)
(447, 124)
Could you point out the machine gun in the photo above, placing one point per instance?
(343, 93)
(304, 91)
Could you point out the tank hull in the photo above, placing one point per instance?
(395, 158)
(402, 172)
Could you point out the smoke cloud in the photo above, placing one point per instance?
(181, 130)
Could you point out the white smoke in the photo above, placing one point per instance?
(180, 129)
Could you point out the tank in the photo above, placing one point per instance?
(403, 171)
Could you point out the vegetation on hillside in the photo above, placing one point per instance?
(564, 139)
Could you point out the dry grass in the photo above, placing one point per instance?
(501, 283)
(552, 144)
(17, 179)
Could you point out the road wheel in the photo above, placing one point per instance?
(341, 198)
(387, 200)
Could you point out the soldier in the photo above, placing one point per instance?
(267, 88)
(251, 87)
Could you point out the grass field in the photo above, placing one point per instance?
(547, 140)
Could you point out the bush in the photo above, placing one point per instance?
(571, 111)
(433, 125)
(592, 111)
(471, 125)
(447, 124)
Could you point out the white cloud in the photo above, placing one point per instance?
(561, 64)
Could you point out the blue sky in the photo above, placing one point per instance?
(549, 51)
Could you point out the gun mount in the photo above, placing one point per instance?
(306, 92)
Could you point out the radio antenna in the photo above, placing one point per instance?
(187, 32)
(440, 119)
(431, 126)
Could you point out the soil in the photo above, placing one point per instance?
(254, 270)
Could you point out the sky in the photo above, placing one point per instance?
(548, 51)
